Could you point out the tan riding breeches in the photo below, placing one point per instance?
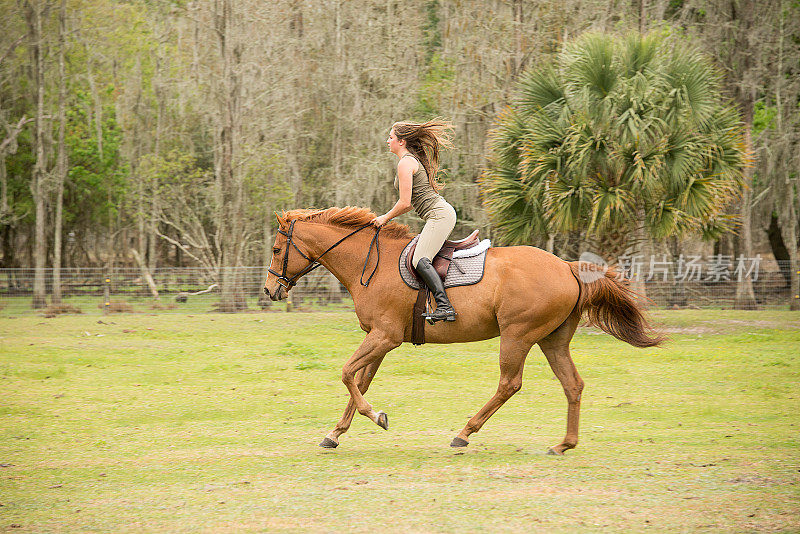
(439, 222)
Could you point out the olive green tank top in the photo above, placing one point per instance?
(423, 196)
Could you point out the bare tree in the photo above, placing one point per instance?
(733, 32)
(61, 152)
(227, 89)
(34, 12)
(8, 146)
(779, 159)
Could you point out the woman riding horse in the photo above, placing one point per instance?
(527, 296)
(417, 146)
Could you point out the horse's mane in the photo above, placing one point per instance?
(347, 217)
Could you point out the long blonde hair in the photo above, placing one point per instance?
(424, 140)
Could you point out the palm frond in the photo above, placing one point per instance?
(663, 219)
(638, 52)
(590, 66)
(541, 90)
(612, 208)
(612, 127)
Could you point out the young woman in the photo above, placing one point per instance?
(417, 146)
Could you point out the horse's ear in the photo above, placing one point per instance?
(281, 220)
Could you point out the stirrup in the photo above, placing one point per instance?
(432, 317)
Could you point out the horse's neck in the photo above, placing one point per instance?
(346, 260)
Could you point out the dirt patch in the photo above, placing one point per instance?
(117, 306)
(159, 306)
(60, 309)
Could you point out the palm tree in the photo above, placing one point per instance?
(617, 137)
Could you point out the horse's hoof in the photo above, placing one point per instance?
(554, 452)
(458, 442)
(383, 420)
(328, 443)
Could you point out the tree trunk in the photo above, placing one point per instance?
(788, 212)
(152, 236)
(8, 146)
(789, 225)
(158, 91)
(151, 284)
(551, 239)
(98, 107)
(678, 297)
(61, 158)
(34, 19)
(642, 16)
(517, 17)
(263, 300)
(745, 298)
(98, 127)
(229, 178)
(779, 250)
(8, 251)
(135, 156)
(4, 211)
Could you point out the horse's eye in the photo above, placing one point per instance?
(275, 250)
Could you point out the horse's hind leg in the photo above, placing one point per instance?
(556, 348)
(513, 351)
(365, 376)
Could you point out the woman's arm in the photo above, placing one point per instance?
(404, 177)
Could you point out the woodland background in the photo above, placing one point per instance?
(158, 133)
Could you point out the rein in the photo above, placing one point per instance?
(288, 283)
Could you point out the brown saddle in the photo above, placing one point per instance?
(441, 262)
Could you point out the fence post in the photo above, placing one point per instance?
(107, 295)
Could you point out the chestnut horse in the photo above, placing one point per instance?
(526, 296)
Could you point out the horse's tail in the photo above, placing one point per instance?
(610, 304)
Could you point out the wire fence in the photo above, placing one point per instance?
(691, 283)
(180, 289)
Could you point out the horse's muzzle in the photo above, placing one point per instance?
(280, 293)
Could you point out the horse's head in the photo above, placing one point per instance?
(289, 261)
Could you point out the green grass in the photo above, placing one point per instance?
(210, 422)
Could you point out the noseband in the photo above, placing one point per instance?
(288, 283)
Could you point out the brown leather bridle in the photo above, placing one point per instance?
(287, 283)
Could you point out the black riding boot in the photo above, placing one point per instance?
(444, 310)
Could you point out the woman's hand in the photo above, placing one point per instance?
(380, 220)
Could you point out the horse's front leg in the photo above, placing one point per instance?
(365, 376)
(370, 352)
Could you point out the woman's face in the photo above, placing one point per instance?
(394, 143)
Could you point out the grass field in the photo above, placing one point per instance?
(210, 423)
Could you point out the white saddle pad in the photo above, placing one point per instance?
(465, 269)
